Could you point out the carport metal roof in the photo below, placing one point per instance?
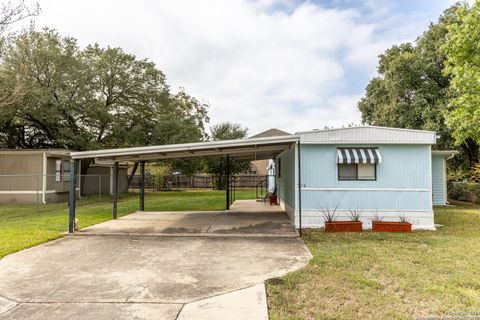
(243, 149)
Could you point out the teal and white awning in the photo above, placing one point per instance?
(358, 155)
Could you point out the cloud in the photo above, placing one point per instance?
(265, 63)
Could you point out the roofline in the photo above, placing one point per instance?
(48, 152)
(449, 154)
(111, 153)
(36, 150)
(357, 127)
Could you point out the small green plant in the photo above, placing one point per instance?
(402, 218)
(376, 217)
(355, 214)
(328, 214)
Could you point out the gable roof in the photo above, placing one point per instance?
(273, 132)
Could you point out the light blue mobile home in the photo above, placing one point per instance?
(384, 172)
(387, 172)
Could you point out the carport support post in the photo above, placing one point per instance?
(115, 189)
(142, 186)
(299, 190)
(73, 187)
(227, 183)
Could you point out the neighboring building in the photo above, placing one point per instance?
(99, 179)
(43, 176)
(266, 167)
(380, 171)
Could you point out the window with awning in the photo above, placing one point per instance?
(358, 155)
(358, 163)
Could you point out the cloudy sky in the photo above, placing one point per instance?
(291, 64)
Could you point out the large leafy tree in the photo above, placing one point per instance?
(12, 88)
(411, 90)
(217, 167)
(463, 66)
(92, 98)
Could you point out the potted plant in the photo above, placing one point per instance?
(329, 219)
(391, 226)
(354, 225)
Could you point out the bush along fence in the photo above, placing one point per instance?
(464, 191)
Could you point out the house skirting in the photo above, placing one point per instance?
(420, 220)
(312, 218)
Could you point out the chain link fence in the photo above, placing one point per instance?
(155, 183)
(34, 208)
(41, 193)
(35, 189)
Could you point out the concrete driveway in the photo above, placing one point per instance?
(127, 275)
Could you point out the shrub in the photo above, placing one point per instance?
(464, 191)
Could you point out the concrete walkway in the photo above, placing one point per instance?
(132, 276)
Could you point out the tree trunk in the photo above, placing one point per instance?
(471, 148)
(83, 171)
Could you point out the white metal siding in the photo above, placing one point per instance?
(439, 180)
(367, 135)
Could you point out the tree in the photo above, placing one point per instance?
(228, 131)
(12, 89)
(11, 13)
(411, 90)
(92, 98)
(463, 66)
(217, 167)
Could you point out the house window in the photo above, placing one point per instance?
(66, 170)
(58, 170)
(354, 171)
(63, 170)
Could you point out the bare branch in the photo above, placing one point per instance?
(14, 12)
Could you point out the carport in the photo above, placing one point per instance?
(228, 150)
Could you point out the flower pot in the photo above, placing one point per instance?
(384, 226)
(343, 226)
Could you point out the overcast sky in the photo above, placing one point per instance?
(291, 64)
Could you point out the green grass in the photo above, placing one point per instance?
(26, 225)
(386, 276)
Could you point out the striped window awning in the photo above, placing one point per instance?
(358, 155)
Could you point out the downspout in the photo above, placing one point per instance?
(79, 178)
(44, 178)
(451, 157)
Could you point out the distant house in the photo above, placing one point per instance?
(43, 176)
(265, 167)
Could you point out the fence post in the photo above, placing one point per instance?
(99, 187)
(142, 185)
(71, 203)
(115, 189)
(38, 208)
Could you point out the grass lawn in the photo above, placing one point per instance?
(23, 226)
(386, 276)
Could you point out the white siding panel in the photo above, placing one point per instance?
(368, 135)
